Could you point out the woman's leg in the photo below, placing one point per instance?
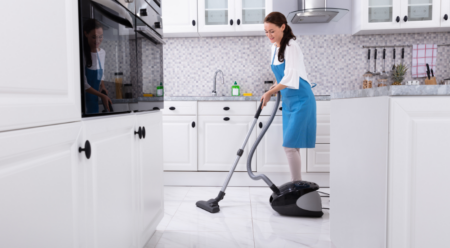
(293, 156)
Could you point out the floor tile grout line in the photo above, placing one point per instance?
(162, 233)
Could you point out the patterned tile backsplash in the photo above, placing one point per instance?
(335, 62)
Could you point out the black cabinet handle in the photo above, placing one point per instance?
(87, 149)
(193, 124)
(193, 22)
(226, 108)
(281, 108)
(139, 132)
(260, 125)
(238, 21)
(231, 22)
(446, 17)
(172, 108)
(155, 108)
(405, 18)
(226, 119)
(397, 19)
(143, 132)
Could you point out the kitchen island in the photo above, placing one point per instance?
(390, 167)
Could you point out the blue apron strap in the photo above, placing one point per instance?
(274, 54)
(99, 62)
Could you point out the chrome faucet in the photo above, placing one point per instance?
(214, 92)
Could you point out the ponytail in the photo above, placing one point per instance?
(279, 19)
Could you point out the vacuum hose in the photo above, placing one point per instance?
(258, 139)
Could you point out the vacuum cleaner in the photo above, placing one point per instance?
(298, 198)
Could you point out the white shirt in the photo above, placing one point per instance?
(294, 65)
(95, 66)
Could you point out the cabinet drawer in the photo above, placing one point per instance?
(180, 108)
(267, 110)
(226, 108)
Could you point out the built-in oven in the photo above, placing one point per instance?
(120, 57)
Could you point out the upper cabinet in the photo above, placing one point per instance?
(180, 18)
(445, 13)
(214, 17)
(399, 16)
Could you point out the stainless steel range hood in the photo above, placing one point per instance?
(315, 11)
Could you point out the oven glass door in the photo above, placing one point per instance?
(109, 63)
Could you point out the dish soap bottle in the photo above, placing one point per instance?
(160, 90)
(235, 91)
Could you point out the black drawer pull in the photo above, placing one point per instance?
(155, 108)
(139, 132)
(238, 21)
(405, 18)
(446, 17)
(87, 149)
(226, 119)
(397, 19)
(193, 124)
(260, 125)
(193, 22)
(231, 22)
(172, 108)
(226, 108)
(281, 108)
(143, 132)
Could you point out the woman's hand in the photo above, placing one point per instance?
(265, 98)
(106, 101)
(102, 87)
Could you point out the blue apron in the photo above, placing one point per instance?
(94, 77)
(299, 112)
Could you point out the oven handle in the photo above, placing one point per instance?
(151, 33)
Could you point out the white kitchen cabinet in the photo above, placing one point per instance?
(319, 158)
(323, 122)
(180, 18)
(111, 181)
(445, 13)
(150, 175)
(40, 197)
(41, 85)
(219, 140)
(216, 16)
(393, 16)
(180, 143)
(270, 152)
(250, 15)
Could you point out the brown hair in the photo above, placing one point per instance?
(88, 26)
(279, 19)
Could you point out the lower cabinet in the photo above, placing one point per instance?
(39, 173)
(270, 152)
(53, 195)
(319, 158)
(220, 138)
(110, 182)
(180, 143)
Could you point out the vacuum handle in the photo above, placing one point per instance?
(258, 112)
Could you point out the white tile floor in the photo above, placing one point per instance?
(245, 220)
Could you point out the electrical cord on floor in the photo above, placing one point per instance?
(326, 195)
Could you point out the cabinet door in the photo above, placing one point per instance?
(180, 143)
(323, 122)
(40, 80)
(445, 13)
(180, 18)
(216, 16)
(381, 14)
(150, 175)
(319, 158)
(420, 13)
(250, 15)
(38, 187)
(111, 184)
(270, 152)
(219, 141)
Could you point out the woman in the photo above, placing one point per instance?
(94, 61)
(299, 103)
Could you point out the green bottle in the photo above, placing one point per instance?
(160, 90)
(235, 91)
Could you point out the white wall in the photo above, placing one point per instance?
(344, 26)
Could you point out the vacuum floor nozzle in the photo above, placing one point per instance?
(212, 205)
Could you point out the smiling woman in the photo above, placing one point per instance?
(299, 104)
